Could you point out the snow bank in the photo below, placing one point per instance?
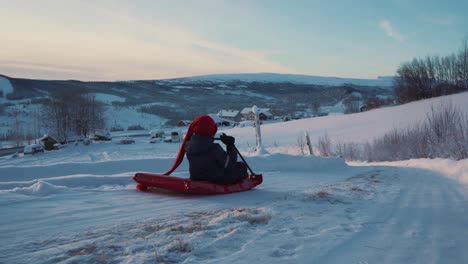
(357, 128)
(457, 170)
(105, 168)
(73, 181)
(86, 172)
(453, 169)
(283, 162)
(5, 86)
(40, 188)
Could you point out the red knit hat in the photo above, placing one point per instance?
(202, 125)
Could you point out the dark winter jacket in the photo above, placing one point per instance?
(209, 162)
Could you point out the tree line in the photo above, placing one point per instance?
(72, 113)
(432, 76)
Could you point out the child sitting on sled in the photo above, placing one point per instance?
(207, 160)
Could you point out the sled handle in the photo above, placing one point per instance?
(245, 162)
(240, 155)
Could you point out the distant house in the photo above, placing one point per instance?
(221, 121)
(233, 115)
(264, 113)
(48, 142)
(182, 123)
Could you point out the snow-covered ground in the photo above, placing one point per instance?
(79, 205)
(5, 87)
(125, 116)
(358, 128)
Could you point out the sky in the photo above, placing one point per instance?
(151, 39)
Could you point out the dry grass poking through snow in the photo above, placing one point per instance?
(359, 186)
(194, 236)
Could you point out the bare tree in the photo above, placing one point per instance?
(316, 108)
(16, 133)
(446, 127)
(73, 113)
(351, 105)
(88, 115)
(432, 76)
(301, 142)
(463, 64)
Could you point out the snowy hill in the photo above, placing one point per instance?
(358, 128)
(152, 104)
(292, 78)
(5, 88)
(79, 205)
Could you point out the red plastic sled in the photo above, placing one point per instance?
(149, 180)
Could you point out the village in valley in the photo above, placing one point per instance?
(231, 118)
(224, 119)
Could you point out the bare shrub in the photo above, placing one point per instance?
(352, 152)
(446, 127)
(349, 151)
(443, 134)
(324, 145)
(351, 105)
(301, 142)
(368, 152)
(180, 246)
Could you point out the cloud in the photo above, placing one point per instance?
(123, 46)
(390, 31)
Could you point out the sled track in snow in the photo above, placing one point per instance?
(426, 223)
(371, 214)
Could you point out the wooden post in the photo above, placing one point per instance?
(258, 133)
(308, 143)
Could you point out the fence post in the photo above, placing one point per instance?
(308, 143)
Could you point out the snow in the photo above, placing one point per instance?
(455, 170)
(293, 78)
(228, 113)
(183, 87)
(6, 87)
(358, 128)
(128, 116)
(338, 108)
(79, 204)
(108, 98)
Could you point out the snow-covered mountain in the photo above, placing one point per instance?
(381, 81)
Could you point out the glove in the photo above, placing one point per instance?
(227, 140)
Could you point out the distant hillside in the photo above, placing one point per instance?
(152, 103)
(384, 81)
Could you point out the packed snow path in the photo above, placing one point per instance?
(308, 210)
(426, 222)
